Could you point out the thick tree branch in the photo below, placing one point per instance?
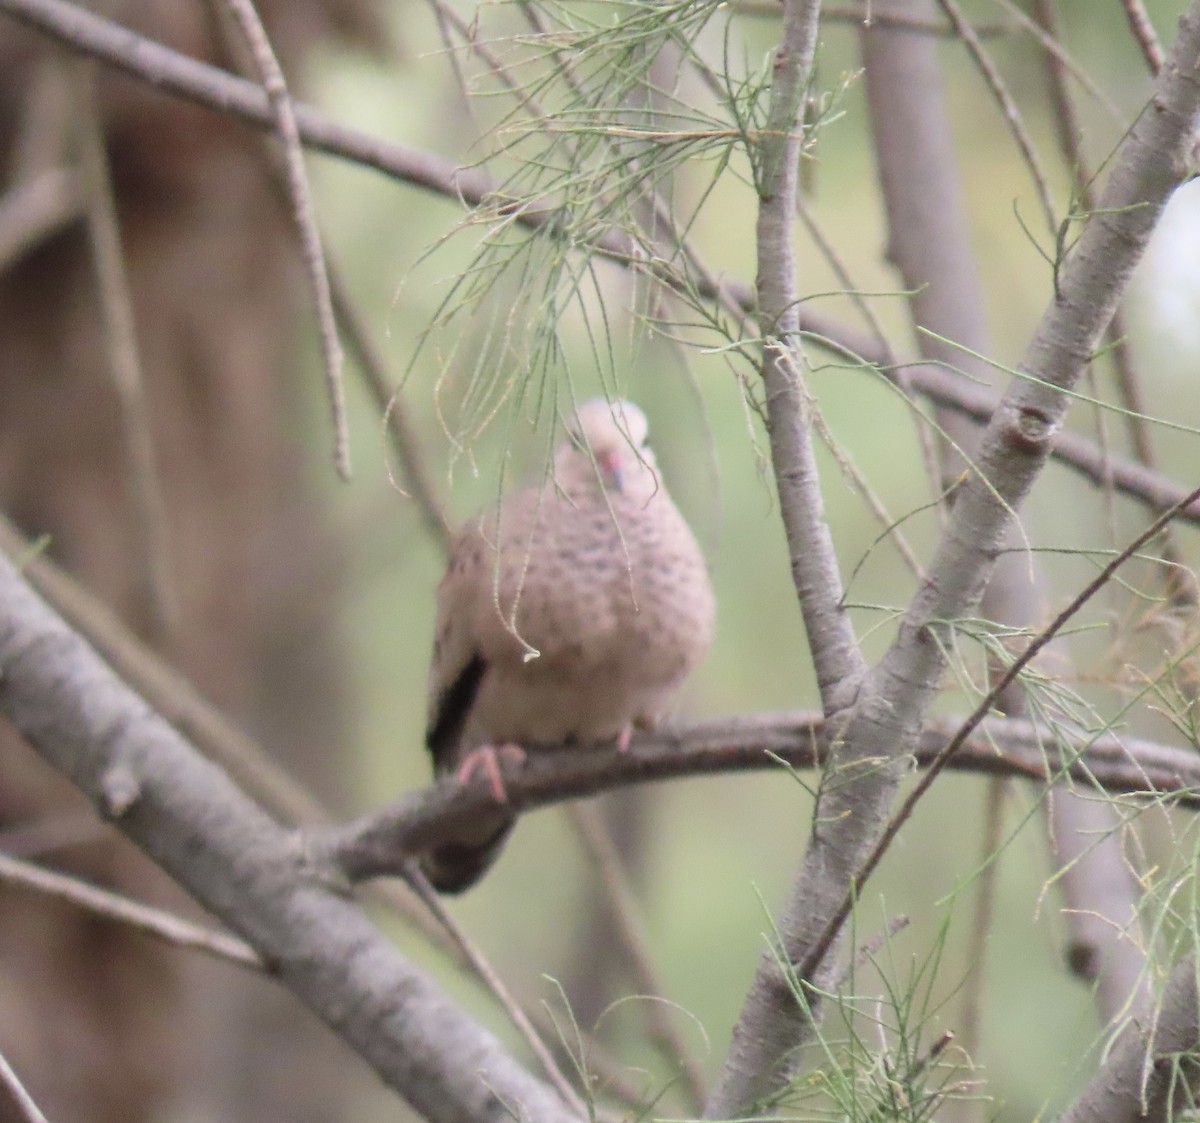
(761, 1035)
(1152, 1074)
(895, 697)
(1004, 691)
(929, 242)
(250, 872)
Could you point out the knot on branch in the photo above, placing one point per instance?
(1032, 429)
(120, 789)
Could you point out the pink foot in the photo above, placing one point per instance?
(489, 758)
(623, 739)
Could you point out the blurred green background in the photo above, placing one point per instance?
(721, 850)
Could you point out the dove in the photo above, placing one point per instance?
(570, 613)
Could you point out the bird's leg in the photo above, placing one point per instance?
(623, 739)
(489, 758)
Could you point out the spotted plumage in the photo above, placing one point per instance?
(570, 613)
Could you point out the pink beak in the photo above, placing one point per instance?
(610, 465)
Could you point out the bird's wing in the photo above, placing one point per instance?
(458, 665)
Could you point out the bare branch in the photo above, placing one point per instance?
(995, 83)
(383, 841)
(1101, 896)
(930, 243)
(1179, 578)
(124, 362)
(250, 872)
(157, 922)
(32, 211)
(495, 984)
(811, 554)
(173, 696)
(223, 92)
(1144, 33)
(25, 1102)
(247, 20)
(986, 706)
(893, 700)
(1151, 1075)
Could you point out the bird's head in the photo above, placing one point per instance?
(607, 444)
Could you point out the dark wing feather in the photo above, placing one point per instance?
(451, 713)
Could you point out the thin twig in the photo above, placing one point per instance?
(1144, 34)
(1051, 45)
(479, 964)
(604, 1072)
(635, 948)
(1180, 580)
(970, 1031)
(871, 14)
(24, 1101)
(35, 210)
(441, 17)
(811, 556)
(271, 73)
(946, 754)
(124, 363)
(225, 93)
(157, 922)
(1016, 125)
(469, 34)
(369, 361)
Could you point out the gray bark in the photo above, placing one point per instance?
(891, 706)
(929, 242)
(251, 873)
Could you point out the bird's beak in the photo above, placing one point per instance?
(611, 467)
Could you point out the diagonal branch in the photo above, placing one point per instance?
(930, 244)
(26, 1104)
(250, 872)
(249, 23)
(987, 704)
(222, 92)
(1151, 1075)
(146, 918)
(868, 753)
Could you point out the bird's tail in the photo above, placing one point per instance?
(455, 866)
